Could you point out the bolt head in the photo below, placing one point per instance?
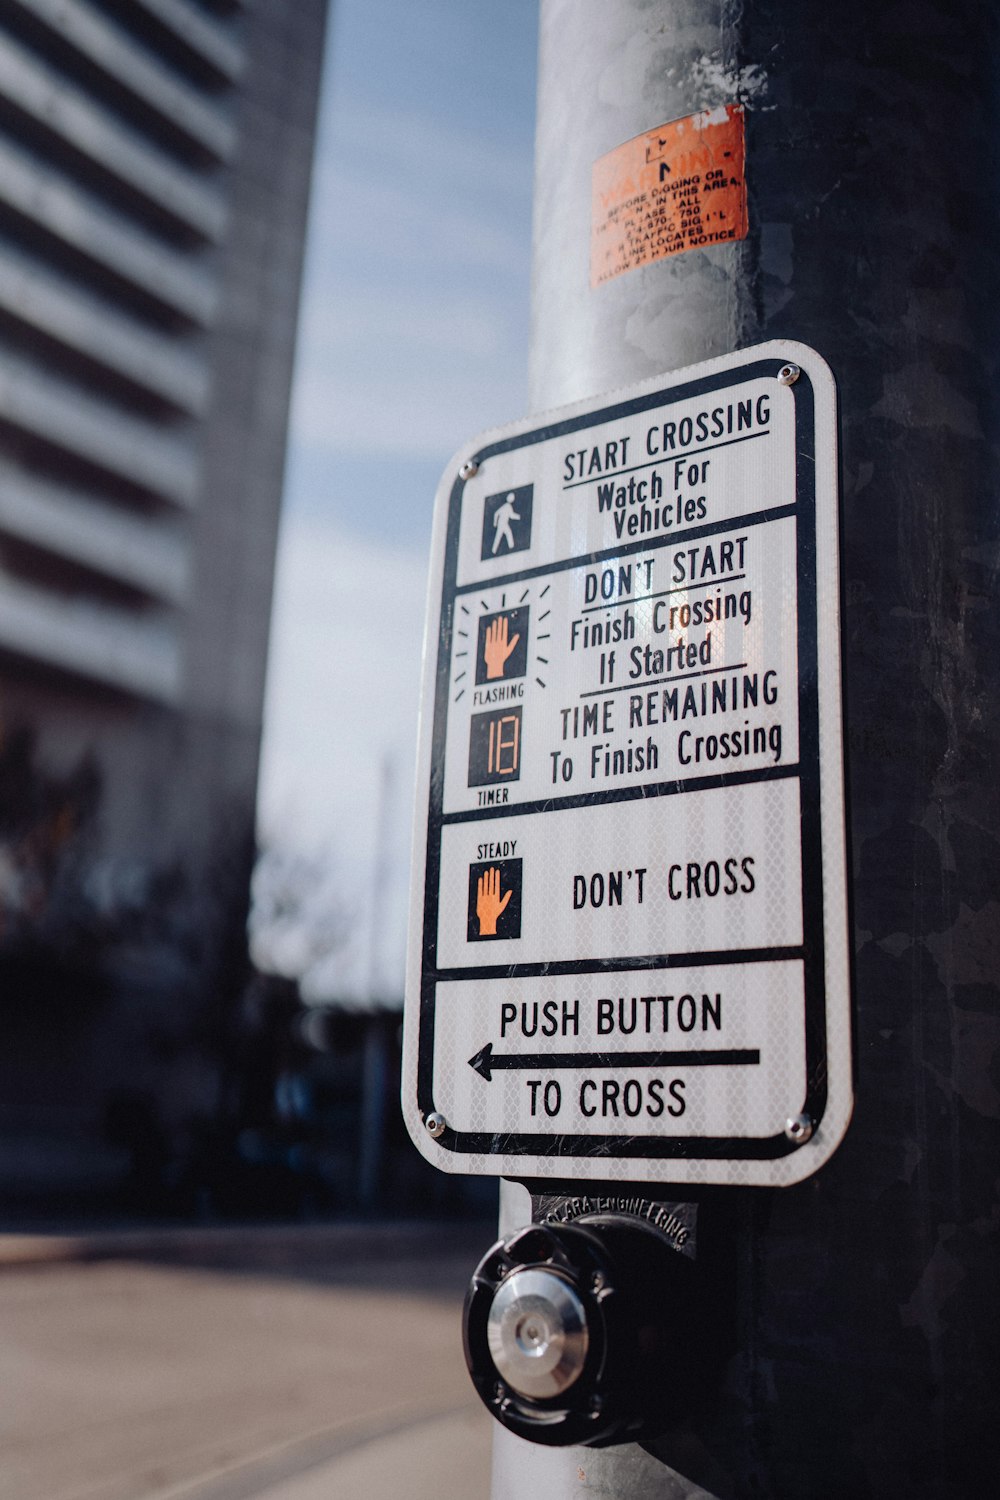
(468, 469)
(799, 1128)
(436, 1125)
(788, 374)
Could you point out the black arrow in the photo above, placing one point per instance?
(486, 1061)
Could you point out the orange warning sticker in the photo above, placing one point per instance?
(680, 187)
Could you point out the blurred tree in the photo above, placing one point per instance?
(300, 916)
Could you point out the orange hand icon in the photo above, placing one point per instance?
(496, 648)
(489, 904)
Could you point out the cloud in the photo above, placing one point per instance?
(413, 338)
(399, 416)
(407, 146)
(421, 343)
(395, 222)
(357, 320)
(415, 313)
(382, 374)
(343, 688)
(404, 142)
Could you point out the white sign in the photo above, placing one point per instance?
(628, 946)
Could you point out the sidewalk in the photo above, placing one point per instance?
(445, 1457)
(277, 1363)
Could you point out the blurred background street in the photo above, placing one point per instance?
(246, 315)
(247, 311)
(275, 1364)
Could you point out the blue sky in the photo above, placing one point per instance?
(413, 337)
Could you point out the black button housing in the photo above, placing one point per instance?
(633, 1374)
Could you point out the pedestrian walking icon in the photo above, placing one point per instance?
(494, 900)
(507, 521)
(502, 518)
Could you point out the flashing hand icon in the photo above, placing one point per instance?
(496, 648)
(489, 903)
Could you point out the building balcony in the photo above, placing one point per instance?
(84, 128)
(79, 222)
(106, 645)
(204, 38)
(148, 361)
(62, 418)
(132, 68)
(150, 556)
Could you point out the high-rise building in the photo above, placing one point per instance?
(155, 160)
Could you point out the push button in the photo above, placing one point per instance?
(537, 1333)
(580, 1332)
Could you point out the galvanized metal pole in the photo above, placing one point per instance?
(867, 1340)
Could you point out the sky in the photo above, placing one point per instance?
(413, 337)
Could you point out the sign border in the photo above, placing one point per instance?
(660, 1149)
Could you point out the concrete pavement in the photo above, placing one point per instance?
(278, 1365)
(438, 1458)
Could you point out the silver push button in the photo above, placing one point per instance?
(537, 1333)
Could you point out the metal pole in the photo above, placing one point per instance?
(868, 1296)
